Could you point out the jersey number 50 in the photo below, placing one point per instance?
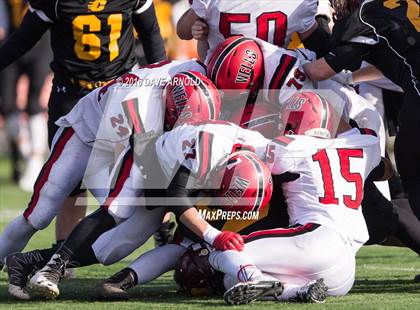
(88, 45)
(262, 22)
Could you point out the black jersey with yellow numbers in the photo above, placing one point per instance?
(92, 40)
(385, 33)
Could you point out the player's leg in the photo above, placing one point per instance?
(119, 242)
(36, 67)
(61, 172)
(144, 269)
(306, 252)
(407, 150)
(119, 206)
(64, 96)
(408, 230)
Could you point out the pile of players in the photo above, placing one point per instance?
(161, 139)
(171, 112)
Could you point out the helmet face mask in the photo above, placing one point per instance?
(190, 97)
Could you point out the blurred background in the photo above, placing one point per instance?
(24, 92)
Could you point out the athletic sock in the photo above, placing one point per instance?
(15, 236)
(77, 248)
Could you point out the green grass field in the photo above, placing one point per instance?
(384, 277)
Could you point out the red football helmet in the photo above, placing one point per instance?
(308, 113)
(242, 182)
(260, 117)
(238, 64)
(190, 97)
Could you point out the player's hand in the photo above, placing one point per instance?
(200, 30)
(228, 240)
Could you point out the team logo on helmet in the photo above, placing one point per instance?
(246, 67)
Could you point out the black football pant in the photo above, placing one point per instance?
(407, 149)
(385, 218)
(64, 96)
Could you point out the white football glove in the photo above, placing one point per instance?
(344, 77)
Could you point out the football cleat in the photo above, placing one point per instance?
(312, 292)
(246, 292)
(417, 279)
(19, 267)
(116, 286)
(45, 281)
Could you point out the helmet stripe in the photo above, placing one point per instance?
(325, 112)
(223, 55)
(204, 90)
(286, 64)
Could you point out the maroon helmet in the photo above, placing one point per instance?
(195, 275)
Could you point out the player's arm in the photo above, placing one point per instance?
(317, 38)
(346, 56)
(365, 74)
(383, 171)
(191, 26)
(23, 39)
(180, 188)
(146, 24)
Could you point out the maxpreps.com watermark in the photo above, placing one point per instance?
(223, 215)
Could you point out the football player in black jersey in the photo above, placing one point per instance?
(92, 43)
(385, 34)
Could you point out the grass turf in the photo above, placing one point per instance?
(384, 278)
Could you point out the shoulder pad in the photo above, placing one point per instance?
(367, 131)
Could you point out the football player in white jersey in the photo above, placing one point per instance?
(213, 21)
(200, 153)
(332, 161)
(100, 125)
(186, 155)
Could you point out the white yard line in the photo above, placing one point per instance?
(380, 267)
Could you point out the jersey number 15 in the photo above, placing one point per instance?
(329, 191)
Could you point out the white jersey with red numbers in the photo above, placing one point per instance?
(108, 115)
(201, 147)
(329, 190)
(283, 71)
(273, 21)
